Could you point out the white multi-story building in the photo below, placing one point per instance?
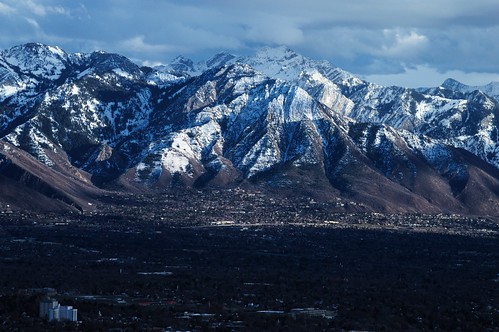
(52, 310)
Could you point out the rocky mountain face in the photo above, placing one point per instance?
(275, 120)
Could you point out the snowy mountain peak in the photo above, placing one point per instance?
(284, 63)
(279, 62)
(108, 62)
(220, 59)
(36, 59)
(37, 49)
(182, 64)
(491, 89)
(453, 85)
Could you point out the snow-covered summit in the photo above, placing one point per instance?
(34, 59)
(220, 59)
(183, 65)
(284, 63)
(491, 89)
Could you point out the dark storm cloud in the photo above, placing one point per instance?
(384, 37)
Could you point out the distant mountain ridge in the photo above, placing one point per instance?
(274, 120)
(491, 89)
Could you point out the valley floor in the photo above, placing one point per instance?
(182, 263)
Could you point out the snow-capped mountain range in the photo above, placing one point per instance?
(275, 119)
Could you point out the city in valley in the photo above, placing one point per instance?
(240, 259)
(175, 166)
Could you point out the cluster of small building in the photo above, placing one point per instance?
(51, 310)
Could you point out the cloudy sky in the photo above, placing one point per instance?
(400, 42)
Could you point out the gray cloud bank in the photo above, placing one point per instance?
(384, 40)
